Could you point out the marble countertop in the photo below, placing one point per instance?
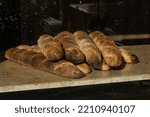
(16, 77)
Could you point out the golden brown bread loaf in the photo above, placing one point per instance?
(39, 61)
(110, 52)
(33, 48)
(128, 57)
(50, 48)
(71, 49)
(87, 46)
(85, 68)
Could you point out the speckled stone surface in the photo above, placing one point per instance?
(16, 77)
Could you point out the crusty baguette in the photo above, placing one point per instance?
(39, 61)
(85, 68)
(50, 48)
(71, 49)
(110, 51)
(33, 48)
(128, 57)
(87, 46)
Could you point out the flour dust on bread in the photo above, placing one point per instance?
(39, 61)
(110, 51)
(50, 47)
(71, 49)
(87, 46)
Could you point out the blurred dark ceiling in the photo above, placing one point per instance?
(23, 21)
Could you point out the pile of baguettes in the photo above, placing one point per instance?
(72, 55)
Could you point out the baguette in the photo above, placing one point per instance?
(39, 61)
(111, 53)
(33, 48)
(51, 49)
(71, 49)
(85, 68)
(128, 57)
(89, 49)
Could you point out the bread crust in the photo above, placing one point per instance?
(88, 47)
(71, 49)
(33, 48)
(111, 53)
(50, 48)
(39, 61)
(85, 68)
(128, 56)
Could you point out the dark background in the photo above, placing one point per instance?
(23, 21)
